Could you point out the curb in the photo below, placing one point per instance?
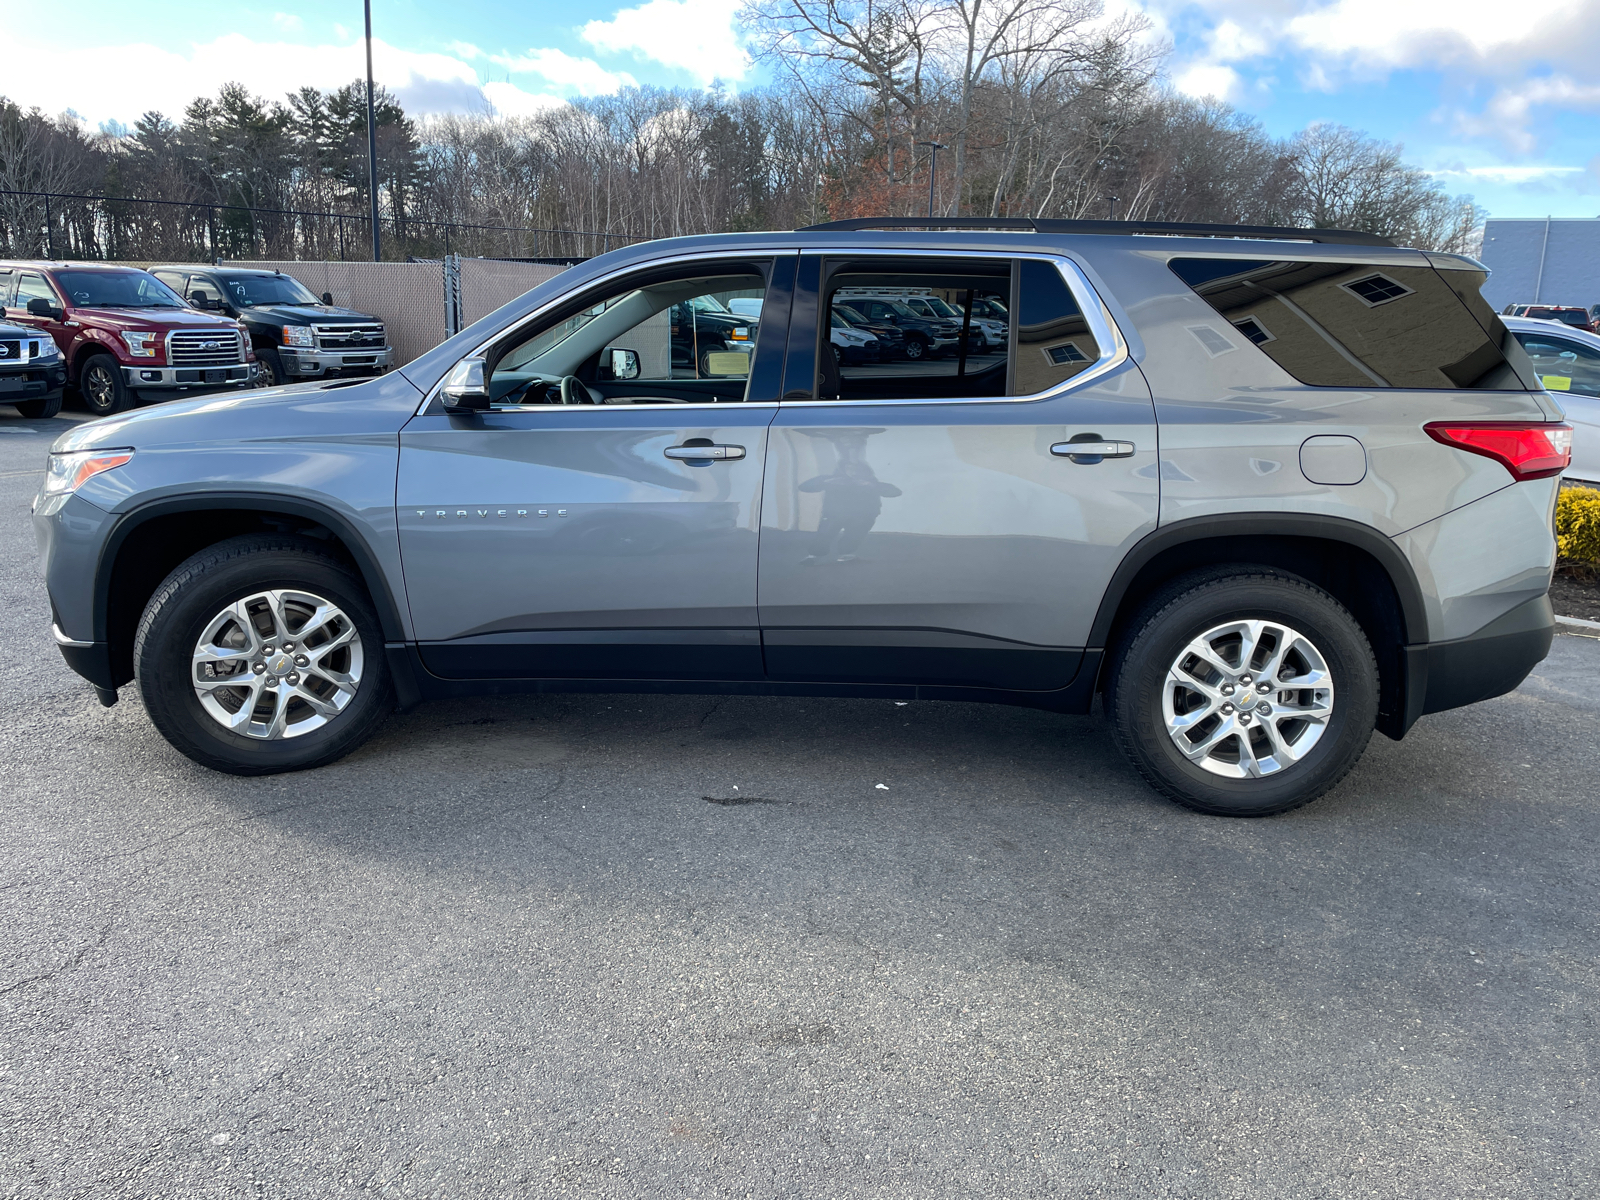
(1578, 623)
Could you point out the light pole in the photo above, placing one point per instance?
(1113, 200)
(372, 142)
(933, 165)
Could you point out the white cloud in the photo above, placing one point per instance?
(1511, 112)
(508, 100)
(697, 37)
(1510, 174)
(1403, 33)
(1208, 79)
(562, 70)
(169, 79)
(464, 50)
(287, 22)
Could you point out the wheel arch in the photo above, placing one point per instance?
(1357, 565)
(149, 541)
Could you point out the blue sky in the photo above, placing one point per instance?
(1501, 101)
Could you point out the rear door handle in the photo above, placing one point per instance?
(1089, 453)
(705, 451)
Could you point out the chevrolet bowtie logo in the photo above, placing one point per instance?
(464, 514)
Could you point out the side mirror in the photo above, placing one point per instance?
(40, 307)
(624, 364)
(466, 388)
(327, 298)
(202, 301)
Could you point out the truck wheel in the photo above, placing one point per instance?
(1243, 692)
(916, 349)
(269, 369)
(101, 386)
(45, 406)
(262, 654)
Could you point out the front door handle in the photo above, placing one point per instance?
(704, 451)
(1087, 452)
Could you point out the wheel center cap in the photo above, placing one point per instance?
(281, 665)
(1247, 698)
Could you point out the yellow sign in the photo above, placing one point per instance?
(1557, 383)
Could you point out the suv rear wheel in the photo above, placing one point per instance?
(262, 654)
(1243, 692)
(101, 386)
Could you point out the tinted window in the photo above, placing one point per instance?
(1342, 324)
(1053, 339)
(680, 331)
(247, 291)
(1563, 365)
(900, 331)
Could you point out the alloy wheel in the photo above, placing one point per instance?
(1247, 699)
(277, 664)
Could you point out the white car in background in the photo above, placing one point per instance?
(1568, 361)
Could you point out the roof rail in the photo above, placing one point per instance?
(1337, 237)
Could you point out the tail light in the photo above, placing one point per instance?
(1528, 451)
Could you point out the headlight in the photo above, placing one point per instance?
(298, 335)
(140, 345)
(46, 349)
(68, 472)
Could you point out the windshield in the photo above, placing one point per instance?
(116, 289)
(940, 307)
(247, 291)
(706, 304)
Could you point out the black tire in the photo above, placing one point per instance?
(101, 386)
(44, 406)
(838, 355)
(199, 589)
(916, 349)
(1197, 604)
(269, 369)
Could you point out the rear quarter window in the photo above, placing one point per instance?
(1345, 324)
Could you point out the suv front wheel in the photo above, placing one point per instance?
(262, 654)
(1243, 692)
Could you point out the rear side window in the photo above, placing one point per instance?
(1053, 338)
(1343, 324)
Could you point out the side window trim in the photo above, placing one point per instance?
(805, 335)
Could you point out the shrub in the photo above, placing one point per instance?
(1578, 525)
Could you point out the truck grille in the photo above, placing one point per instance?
(353, 337)
(224, 348)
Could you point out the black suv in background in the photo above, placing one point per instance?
(295, 335)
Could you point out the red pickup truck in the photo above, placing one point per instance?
(125, 335)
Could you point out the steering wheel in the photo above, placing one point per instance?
(573, 391)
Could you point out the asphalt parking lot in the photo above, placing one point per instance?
(676, 946)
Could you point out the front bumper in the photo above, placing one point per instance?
(146, 379)
(303, 362)
(21, 382)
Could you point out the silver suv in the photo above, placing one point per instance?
(1262, 491)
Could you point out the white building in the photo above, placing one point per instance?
(1542, 261)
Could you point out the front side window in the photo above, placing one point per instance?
(1345, 324)
(32, 286)
(1563, 365)
(660, 341)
